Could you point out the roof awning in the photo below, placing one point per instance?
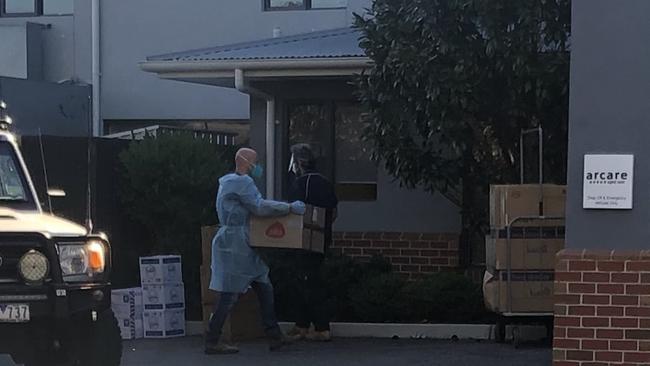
(332, 53)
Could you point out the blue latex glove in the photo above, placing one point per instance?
(298, 208)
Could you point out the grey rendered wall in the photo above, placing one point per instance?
(133, 30)
(57, 44)
(13, 51)
(399, 209)
(610, 113)
(59, 110)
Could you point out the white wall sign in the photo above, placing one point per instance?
(608, 182)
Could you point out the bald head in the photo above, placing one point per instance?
(244, 159)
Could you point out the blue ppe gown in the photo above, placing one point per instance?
(235, 265)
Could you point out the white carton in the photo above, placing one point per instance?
(127, 304)
(163, 297)
(128, 308)
(164, 324)
(160, 269)
(131, 329)
(125, 301)
(127, 296)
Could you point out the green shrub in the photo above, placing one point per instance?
(443, 298)
(379, 298)
(371, 292)
(342, 275)
(169, 185)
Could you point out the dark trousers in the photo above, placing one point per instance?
(310, 300)
(227, 301)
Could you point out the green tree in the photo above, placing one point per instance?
(453, 82)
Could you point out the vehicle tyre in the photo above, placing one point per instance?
(96, 342)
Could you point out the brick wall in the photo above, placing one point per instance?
(602, 308)
(413, 254)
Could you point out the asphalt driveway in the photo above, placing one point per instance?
(341, 352)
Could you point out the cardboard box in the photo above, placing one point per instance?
(127, 297)
(164, 323)
(315, 216)
(161, 297)
(207, 234)
(532, 292)
(207, 296)
(131, 329)
(244, 322)
(510, 201)
(525, 254)
(127, 303)
(161, 269)
(291, 231)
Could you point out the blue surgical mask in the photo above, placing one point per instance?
(257, 171)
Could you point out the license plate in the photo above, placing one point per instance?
(14, 313)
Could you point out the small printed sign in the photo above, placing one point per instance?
(608, 181)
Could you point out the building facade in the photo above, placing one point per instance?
(128, 33)
(313, 102)
(603, 278)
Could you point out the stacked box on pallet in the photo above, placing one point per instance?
(244, 322)
(128, 309)
(530, 255)
(163, 296)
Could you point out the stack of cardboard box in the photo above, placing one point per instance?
(128, 309)
(244, 322)
(163, 296)
(529, 256)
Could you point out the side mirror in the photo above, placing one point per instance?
(55, 192)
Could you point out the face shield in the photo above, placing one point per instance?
(292, 165)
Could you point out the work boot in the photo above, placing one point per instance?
(297, 333)
(277, 343)
(220, 349)
(324, 336)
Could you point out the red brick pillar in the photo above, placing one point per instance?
(602, 308)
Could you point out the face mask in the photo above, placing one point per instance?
(257, 171)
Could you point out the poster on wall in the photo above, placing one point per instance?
(608, 181)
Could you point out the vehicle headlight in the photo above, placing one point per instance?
(33, 266)
(79, 261)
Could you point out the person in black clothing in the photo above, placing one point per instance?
(311, 303)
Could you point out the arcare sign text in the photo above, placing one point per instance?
(608, 181)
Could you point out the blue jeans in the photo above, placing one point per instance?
(227, 301)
